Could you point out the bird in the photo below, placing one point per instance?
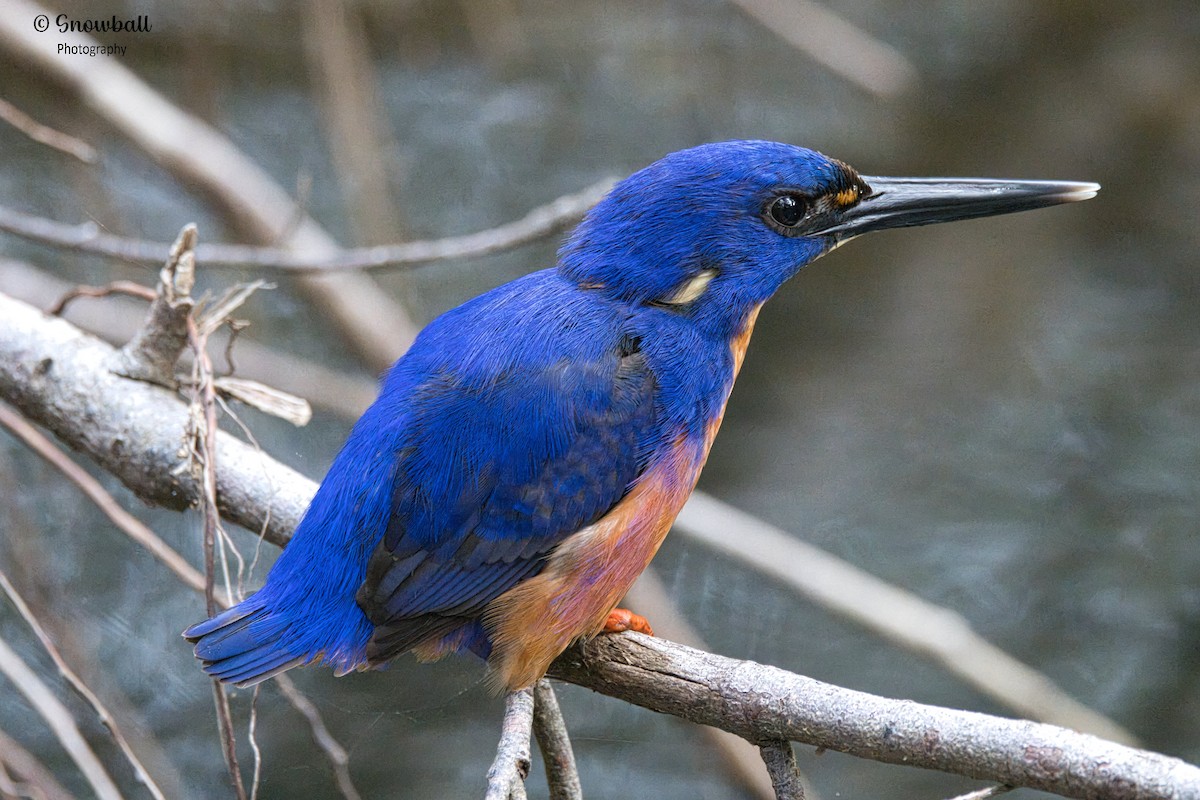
(526, 457)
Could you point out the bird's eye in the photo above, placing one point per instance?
(788, 210)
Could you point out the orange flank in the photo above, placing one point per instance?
(741, 342)
(588, 574)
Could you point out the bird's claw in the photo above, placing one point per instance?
(622, 619)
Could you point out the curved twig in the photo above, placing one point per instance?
(337, 755)
(44, 134)
(89, 238)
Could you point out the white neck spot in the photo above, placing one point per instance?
(693, 288)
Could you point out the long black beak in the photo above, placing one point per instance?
(905, 202)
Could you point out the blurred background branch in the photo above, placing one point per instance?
(540, 222)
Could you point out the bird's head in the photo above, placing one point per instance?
(713, 231)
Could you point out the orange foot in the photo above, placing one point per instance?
(622, 619)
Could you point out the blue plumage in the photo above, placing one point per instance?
(526, 456)
(475, 462)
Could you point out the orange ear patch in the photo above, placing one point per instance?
(846, 197)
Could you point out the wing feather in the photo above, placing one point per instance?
(498, 473)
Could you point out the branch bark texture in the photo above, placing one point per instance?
(765, 705)
(562, 776)
(506, 777)
(59, 377)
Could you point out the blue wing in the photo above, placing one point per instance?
(513, 442)
(515, 420)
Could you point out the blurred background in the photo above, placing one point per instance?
(999, 416)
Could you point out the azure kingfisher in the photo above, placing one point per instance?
(527, 456)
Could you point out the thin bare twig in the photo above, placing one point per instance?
(116, 287)
(506, 777)
(59, 719)
(562, 776)
(252, 735)
(540, 222)
(205, 403)
(781, 766)
(106, 717)
(228, 739)
(330, 746)
(44, 134)
(200, 326)
(207, 394)
(37, 780)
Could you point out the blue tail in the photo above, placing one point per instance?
(244, 645)
(281, 626)
(306, 610)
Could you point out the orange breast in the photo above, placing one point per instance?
(588, 574)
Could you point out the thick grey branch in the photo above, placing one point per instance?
(56, 375)
(935, 632)
(765, 704)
